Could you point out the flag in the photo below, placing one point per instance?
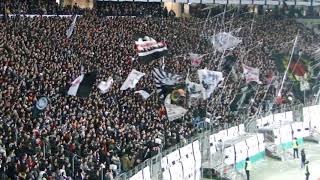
(145, 95)
(132, 79)
(173, 105)
(194, 89)
(70, 29)
(224, 41)
(162, 111)
(149, 49)
(251, 74)
(82, 85)
(41, 104)
(209, 80)
(196, 59)
(105, 86)
(166, 82)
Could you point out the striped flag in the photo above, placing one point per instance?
(149, 49)
(82, 85)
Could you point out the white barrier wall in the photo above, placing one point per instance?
(241, 151)
(137, 176)
(311, 116)
(286, 133)
(187, 161)
(146, 173)
(229, 155)
(253, 146)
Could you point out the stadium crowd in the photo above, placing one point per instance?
(74, 136)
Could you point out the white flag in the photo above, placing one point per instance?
(132, 79)
(224, 41)
(251, 74)
(194, 89)
(173, 111)
(196, 59)
(105, 86)
(143, 93)
(209, 80)
(70, 29)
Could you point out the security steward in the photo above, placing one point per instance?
(248, 167)
(295, 148)
(306, 170)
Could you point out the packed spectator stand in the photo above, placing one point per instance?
(74, 136)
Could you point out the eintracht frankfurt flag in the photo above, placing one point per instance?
(209, 80)
(82, 85)
(196, 59)
(149, 49)
(251, 74)
(105, 86)
(71, 28)
(132, 79)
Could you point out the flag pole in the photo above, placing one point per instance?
(286, 72)
(251, 27)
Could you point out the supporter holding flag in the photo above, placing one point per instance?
(83, 84)
(251, 74)
(71, 28)
(132, 80)
(105, 86)
(149, 49)
(196, 59)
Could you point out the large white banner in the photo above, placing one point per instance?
(197, 154)
(286, 133)
(279, 117)
(289, 116)
(146, 173)
(242, 129)
(137, 176)
(233, 132)
(176, 171)
(241, 151)
(173, 157)
(277, 136)
(229, 155)
(297, 128)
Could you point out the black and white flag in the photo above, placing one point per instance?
(195, 90)
(209, 80)
(149, 49)
(82, 85)
(165, 82)
(71, 28)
